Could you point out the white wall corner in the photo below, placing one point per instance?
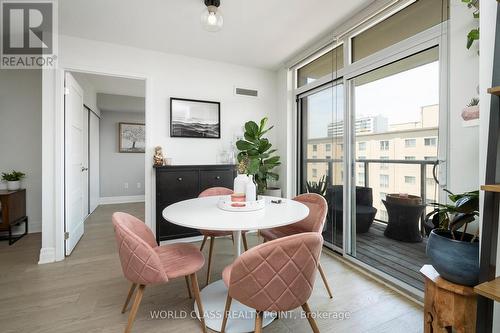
(47, 255)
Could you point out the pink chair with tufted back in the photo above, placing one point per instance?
(314, 222)
(212, 234)
(275, 276)
(145, 263)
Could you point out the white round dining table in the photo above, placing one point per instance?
(204, 213)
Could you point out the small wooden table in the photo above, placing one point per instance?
(447, 304)
(12, 212)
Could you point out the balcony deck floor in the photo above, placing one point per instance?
(399, 259)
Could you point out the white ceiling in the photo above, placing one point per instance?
(105, 84)
(258, 33)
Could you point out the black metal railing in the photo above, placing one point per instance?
(423, 164)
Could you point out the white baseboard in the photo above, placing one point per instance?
(122, 199)
(47, 255)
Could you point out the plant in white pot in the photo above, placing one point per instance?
(256, 152)
(13, 179)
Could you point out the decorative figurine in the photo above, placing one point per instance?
(158, 158)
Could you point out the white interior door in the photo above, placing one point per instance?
(85, 178)
(75, 169)
(94, 189)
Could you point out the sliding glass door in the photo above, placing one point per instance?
(395, 111)
(322, 151)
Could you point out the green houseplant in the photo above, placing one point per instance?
(13, 179)
(455, 254)
(473, 34)
(255, 151)
(318, 187)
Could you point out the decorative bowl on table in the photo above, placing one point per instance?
(225, 203)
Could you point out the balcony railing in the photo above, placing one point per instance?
(422, 164)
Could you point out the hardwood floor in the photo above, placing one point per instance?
(86, 292)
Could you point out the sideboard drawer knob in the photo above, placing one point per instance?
(179, 179)
(217, 177)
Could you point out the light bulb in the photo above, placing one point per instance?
(211, 19)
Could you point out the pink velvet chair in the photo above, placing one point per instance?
(314, 222)
(212, 234)
(275, 276)
(145, 263)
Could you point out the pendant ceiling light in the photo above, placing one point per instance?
(211, 18)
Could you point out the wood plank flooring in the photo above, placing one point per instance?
(85, 292)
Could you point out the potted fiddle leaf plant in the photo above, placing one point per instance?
(453, 253)
(13, 179)
(255, 150)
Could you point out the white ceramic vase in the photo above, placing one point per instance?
(251, 190)
(240, 184)
(13, 185)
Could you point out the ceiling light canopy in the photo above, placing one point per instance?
(211, 17)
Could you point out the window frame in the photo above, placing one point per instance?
(373, 14)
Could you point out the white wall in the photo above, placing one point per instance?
(167, 76)
(487, 28)
(117, 168)
(463, 81)
(21, 134)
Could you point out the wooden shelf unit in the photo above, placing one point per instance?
(491, 188)
(489, 289)
(494, 90)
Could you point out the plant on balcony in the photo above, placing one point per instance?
(455, 254)
(255, 151)
(318, 187)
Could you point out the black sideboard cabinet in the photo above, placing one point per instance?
(175, 183)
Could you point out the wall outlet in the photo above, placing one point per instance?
(125, 185)
(138, 185)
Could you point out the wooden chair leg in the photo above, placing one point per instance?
(258, 321)
(135, 307)
(325, 281)
(129, 296)
(245, 244)
(197, 297)
(203, 243)
(187, 285)
(210, 253)
(226, 313)
(309, 317)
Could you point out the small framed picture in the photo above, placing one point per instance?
(132, 138)
(194, 119)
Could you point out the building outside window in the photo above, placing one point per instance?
(315, 172)
(410, 158)
(382, 195)
(384, 181)
(410, 179)
(430, 142)
(410, 143)
(315, 147)
(328, 147)
(384, 166)
(430, 158)
(384, 145)
(362, 146)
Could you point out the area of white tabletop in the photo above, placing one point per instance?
(203, 213)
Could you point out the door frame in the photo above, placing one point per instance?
(57, 192)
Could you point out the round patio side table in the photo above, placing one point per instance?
(404, 220)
